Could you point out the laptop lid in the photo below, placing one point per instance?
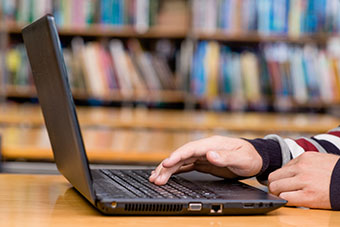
(50, 77)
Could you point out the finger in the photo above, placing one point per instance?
(186, 168)
(295, 198)
(155, 173)
(165, 173)
(189, 150)
(292, 162)
(285, 185)
(216, 171)
(162, 170)
(284, 172)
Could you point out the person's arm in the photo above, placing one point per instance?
(303, 181)
(322, 161)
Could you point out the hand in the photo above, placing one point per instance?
(305, 180)
(217, 155)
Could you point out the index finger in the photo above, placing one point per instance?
(194, 149)
(162, 174)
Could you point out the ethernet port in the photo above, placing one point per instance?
(216, 208)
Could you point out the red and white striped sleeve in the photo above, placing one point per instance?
(277, 151)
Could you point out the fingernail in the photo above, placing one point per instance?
(214, 155)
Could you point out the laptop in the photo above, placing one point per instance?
(117, 191)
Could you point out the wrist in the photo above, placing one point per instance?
(334, 192)
(270, 152)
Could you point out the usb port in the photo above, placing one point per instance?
(195, 207)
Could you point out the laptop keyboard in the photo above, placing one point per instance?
(137, 182)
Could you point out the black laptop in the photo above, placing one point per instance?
(115, 191)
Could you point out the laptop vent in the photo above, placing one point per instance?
(154, 207)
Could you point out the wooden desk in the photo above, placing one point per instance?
(41, 200)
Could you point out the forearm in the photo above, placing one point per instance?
(276, 152)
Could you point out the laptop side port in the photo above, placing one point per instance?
(248, 205)
(195, 207)
(216, 208)
(113, 205)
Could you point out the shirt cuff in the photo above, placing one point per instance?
(335, 187)
(270, 151)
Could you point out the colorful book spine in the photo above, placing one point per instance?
(267, 17)
(286, 74)
(79, 13)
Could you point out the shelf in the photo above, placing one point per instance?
(176, 33)
(256, 38)
(109, 31)
(174, 120)
(162, 96)
(18, 91)
(143, 136)
(168, 96)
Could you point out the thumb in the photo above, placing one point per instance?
(224, 158)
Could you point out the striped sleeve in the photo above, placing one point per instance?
(277, 151)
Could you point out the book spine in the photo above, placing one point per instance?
(142, 15)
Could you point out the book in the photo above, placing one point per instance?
(121, 65)
(93, 74)
(24, 8)
(142, 15)
(78, 74)
(142, 61)
(184, 61)
(211, 62)
(250, 73)
(163, 72)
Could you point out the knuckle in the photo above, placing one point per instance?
(189, 144)
(270, 178)
(301, 166)
(215, 137)
(304, 157)
(273, 187)
(304, 178)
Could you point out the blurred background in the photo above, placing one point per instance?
(148, 76)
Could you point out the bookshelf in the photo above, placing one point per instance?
(244, 33)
